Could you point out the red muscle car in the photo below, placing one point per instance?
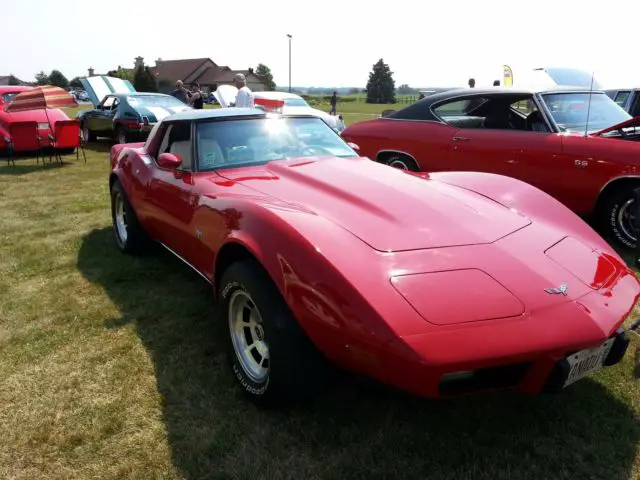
(44, 119)
(439, 284)
(582, 149)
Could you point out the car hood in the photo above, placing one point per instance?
(386, 208)
(632, 122)
(99, 86)
(225, 95)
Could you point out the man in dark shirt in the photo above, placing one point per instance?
(181, 93)
(196, 97)
(334, 103)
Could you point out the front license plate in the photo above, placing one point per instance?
(586, 362)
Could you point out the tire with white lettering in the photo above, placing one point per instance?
(400, 161)
(130, 236)
(270, 356)
(619, 211)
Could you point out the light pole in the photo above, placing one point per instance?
(289, 62)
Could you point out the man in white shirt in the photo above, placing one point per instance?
(245, 96)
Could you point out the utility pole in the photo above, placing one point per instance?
(289, 62)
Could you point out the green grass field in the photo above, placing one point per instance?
(111, 368)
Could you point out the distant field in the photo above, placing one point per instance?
(351, 111)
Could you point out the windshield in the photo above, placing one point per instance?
(154, 101)
(234, 143)
(295, 102)
(8, 97)
(569, 110)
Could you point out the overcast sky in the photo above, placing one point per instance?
(334, 44)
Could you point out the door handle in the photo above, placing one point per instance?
(461, 139)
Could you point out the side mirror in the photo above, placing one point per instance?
(169, 161)
(354, 146)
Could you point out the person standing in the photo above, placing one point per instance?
(334, 104)
(181, 93)
(196, 98)
(244, 99)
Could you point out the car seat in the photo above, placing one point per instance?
(209, 154)
(182, 149)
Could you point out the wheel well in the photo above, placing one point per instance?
(384, 156)
(112, 178)
(613, 187)
(230, 253)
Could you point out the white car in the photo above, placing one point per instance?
(295, 104)
(290, 103)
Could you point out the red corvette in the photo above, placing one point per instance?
(581, 149)
(439, 284)
(7, 94)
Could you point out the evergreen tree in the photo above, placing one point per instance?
(381, 86)
(42, 78)
(264, 72)
(13, 80)
(144, 81)
(57, 79)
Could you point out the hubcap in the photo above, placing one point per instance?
(397, 163)
(122, 138)
(627, 220)
(85, 133)
(121, 219)
(247, 336)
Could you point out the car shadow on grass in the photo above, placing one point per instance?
(354, 430)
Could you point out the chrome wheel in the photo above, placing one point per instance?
(122, 137)
(120, 219)
(398, 163)
(85, 133)
(247, 336)
(627, 220)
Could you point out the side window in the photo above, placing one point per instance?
(634, 111)
(108, 102)
(534, 120)
(177, 140)
(621, 97)
(461, 113)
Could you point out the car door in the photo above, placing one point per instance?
(169, 197)
(101, 120)
(539, 160)
(483, 141)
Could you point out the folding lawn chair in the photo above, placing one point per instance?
(66, 134)
(23, 137)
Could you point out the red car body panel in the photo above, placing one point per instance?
(553, 162)
(356, 248)
(50, 117)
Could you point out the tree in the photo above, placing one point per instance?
(42, 78)
(13, 80)
(75, 82)
(405, 89)
(264, 72)
(57, 79)
(144, 81)
(381, 86)
(122, 73)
